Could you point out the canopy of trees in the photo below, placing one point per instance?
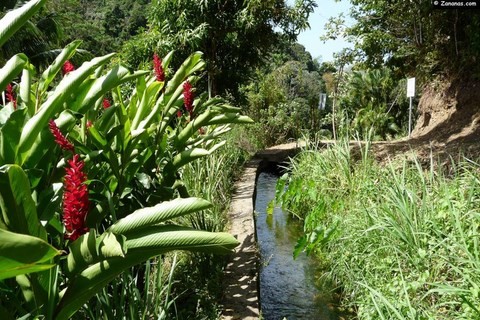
(235, 36)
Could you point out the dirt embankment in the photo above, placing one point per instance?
(448, 124)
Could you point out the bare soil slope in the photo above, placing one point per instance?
(448, 124)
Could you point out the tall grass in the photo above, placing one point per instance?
(403, 240)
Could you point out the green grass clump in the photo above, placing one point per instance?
(402, 241)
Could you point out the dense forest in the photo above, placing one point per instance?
(110, 162)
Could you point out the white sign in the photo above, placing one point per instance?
(323, 101)
(410, 87)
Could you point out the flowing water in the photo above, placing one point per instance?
(287, 286)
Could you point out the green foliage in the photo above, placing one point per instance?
(400, 240)
(284, 97)
(133, 152)
(103, 26)
(235, 36)
(413, 38)
(370, 99)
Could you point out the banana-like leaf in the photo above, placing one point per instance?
(15, 19)
(10, 132)
(19, 212)
(25, 96)
(225, 108)
(12, 69)
(145, 244)
(22, 254)
(180, 238)
(160, 213)
(190, 129)
(115, 77)
(88, 250)
(52, 70)
(188, 156)
(210, 136)
(191, 65)
(44, 143)
(230, 118)
(67, 87)
(148, 95)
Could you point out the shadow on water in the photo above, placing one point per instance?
(287, 286)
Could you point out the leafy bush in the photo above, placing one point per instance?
(122, 154)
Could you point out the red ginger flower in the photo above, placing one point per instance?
(67, 67)
(157, 66)
(106, 103)
(59, 137)
(188, 97)
(11, 96)
(75, 199)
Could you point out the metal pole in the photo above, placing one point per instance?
(410, 119)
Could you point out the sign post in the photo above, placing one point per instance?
(410, 94)
(322, 101)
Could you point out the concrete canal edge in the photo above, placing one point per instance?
(241, 291)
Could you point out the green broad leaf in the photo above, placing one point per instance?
(98, 139)
(91, 280)
(167, 59)
(19, 212)
(111, 245)
(12, 69)
(113, 78)
(300, 247)
(190, 129)
(43, 145)
(83, 252)
(191, 65)
(230, 118)
(15, 19)
(172, 237)
(26, 97)
(23, 254)
(188, 156)
(136, 96)
(52, 70)
(67, 87)
(147, 100)
(88, 250)
(143, 245)
(157, 214)
(217, 132)
(10, 134)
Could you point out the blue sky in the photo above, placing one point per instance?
(311, 38)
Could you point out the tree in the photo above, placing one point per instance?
(413, 37)
(283, 95)
(36, 37)
(235, 36)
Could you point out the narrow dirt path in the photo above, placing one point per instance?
(241, 300)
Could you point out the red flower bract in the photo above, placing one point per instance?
(106, 103)
(188, 97)
(11, 96)
(59, 137)
(157, 66)
(75, 199)
(67, 67)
